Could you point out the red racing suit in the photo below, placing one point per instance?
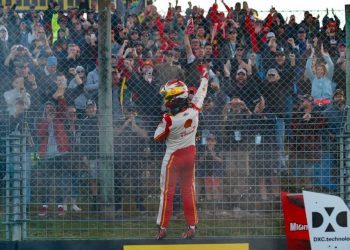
(178, 164)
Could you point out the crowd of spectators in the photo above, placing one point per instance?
(271, 79)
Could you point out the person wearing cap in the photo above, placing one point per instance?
(321, 78)
(228, 49)
(239, 61)
(311, 156)
(243, 87)
(211, 163)
(54, 149)
(75, 90)
(334, 117)
(146, 86)
(275, 92)
(340, 66)
(167, 70)
(335, 113)
(89, 148)
(301, 40)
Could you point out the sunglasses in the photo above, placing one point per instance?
(271, 75)
(80, 71)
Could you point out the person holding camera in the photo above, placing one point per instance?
(146, 86)
(130, 138)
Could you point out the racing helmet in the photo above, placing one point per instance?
(175, 93)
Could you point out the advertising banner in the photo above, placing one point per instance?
(295, 221)
(328, 221)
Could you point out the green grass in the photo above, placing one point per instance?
(144, 227)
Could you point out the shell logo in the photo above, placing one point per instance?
(188, 123)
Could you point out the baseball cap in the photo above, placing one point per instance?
(301, 30)
(341, 43)
(211, 136)
(90, 102)
(79, 68)
(50, 102)
(51, 61)
(270, 35)
(280, 51)
(338, 92)
(148, 62)
(272, 71)
(241, 71)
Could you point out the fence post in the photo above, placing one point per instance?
(105, 106)
(15, 213)
(347, 125)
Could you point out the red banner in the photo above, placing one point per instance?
(190, 27)
(295, 221)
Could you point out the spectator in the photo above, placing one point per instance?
(243, 87)
(327, 173)
(89, 50)
(321, 78)
(212, 164)
(30, 83)
(239, 62)
(301, 40)
(61, 44)
(228, 50)
(264, 160)
(168, 71)
(89, 149)
(236, 139)
(305, 151)
(92, 84)
(40, 44)
(13, 96)
(54, 148)
(4, 45)
(340, 67)
(77, 95)
(59, 85)
(130, 137)
(146, 87)
(68, 64)
(71, 125)
(274, 92)
(18, 55)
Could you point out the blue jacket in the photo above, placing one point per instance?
(321, 88)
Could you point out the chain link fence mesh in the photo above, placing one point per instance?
(271, 122)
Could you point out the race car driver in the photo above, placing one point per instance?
(178, 129)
